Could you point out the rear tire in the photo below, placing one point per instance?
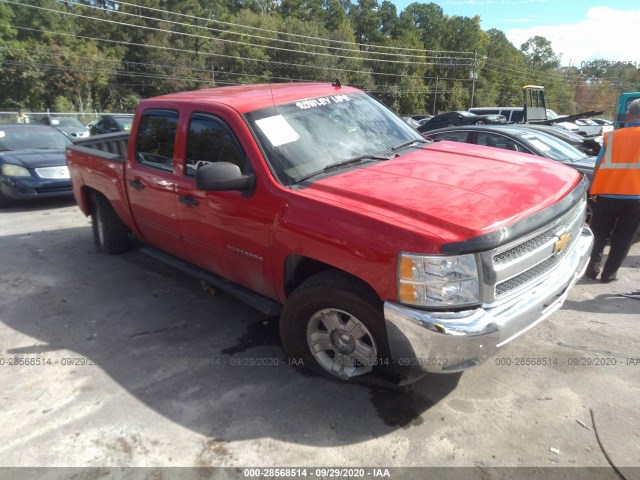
(334, 323)
(109, 233)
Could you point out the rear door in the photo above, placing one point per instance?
(151, 182)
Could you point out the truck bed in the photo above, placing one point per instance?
(99, 162)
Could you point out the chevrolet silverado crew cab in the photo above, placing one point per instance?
(316, 203)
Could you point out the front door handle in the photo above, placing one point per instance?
(137, 184)
(189, 200)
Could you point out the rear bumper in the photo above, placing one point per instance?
(447, 342)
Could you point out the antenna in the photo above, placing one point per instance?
(336, 83)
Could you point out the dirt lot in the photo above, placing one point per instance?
(121, 361)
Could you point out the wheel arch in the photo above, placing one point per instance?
(298, 268)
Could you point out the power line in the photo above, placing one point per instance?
(217, 30)
(293, 34)
(210, 55)
(224, 40)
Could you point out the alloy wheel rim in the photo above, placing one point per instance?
(341, 343)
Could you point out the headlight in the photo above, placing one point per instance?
(15, 171)
(438, 281)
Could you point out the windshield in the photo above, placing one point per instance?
(30, 138)
(304, 137)
(552, 147)
(66, 122)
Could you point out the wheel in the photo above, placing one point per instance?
(334, 324)
(480, 122)
(109, 233)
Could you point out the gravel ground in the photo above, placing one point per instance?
(124, 362)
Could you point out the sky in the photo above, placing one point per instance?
(579, 30)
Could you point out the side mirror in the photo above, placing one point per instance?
(222, 176)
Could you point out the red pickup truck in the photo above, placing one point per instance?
(315, 202)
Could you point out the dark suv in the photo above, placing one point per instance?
(111, 124)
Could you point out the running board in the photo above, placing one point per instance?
(263, 304)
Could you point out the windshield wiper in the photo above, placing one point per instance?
(407, 144)
(344, 163)
(353, 161)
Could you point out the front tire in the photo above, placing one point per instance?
(334, 324)
(109, 233)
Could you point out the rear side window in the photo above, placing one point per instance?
(210, 140)
(517, 116)
(450, 136)
(156, 139)
(485, 111)
(495, 140)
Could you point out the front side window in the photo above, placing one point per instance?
(156, 138)
(304, 137)
(210, 140)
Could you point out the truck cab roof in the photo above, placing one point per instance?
(246, 98)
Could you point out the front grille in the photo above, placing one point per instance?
(526, 261)
(539, 240)
(530, 276)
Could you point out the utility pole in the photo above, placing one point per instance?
(435, 96)
(214, 68)
(473, 80)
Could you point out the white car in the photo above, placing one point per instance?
(588, 127)
(569, 126)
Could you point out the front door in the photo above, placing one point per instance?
(227, 233)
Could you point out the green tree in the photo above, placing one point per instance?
(540, 54)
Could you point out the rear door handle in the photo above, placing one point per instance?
(137, 184)
(189, 200)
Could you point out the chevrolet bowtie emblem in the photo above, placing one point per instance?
(562, 243)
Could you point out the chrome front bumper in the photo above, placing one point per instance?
(447, 342)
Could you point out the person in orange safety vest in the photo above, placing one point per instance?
(616, 196)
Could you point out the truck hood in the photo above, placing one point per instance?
(34, 158)
(453, 190)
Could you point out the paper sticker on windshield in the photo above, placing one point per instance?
(321, 101)
(540, 145)
(277, 130)
(55, 122)
(1, 134)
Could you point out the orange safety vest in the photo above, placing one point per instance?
(619, 171)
